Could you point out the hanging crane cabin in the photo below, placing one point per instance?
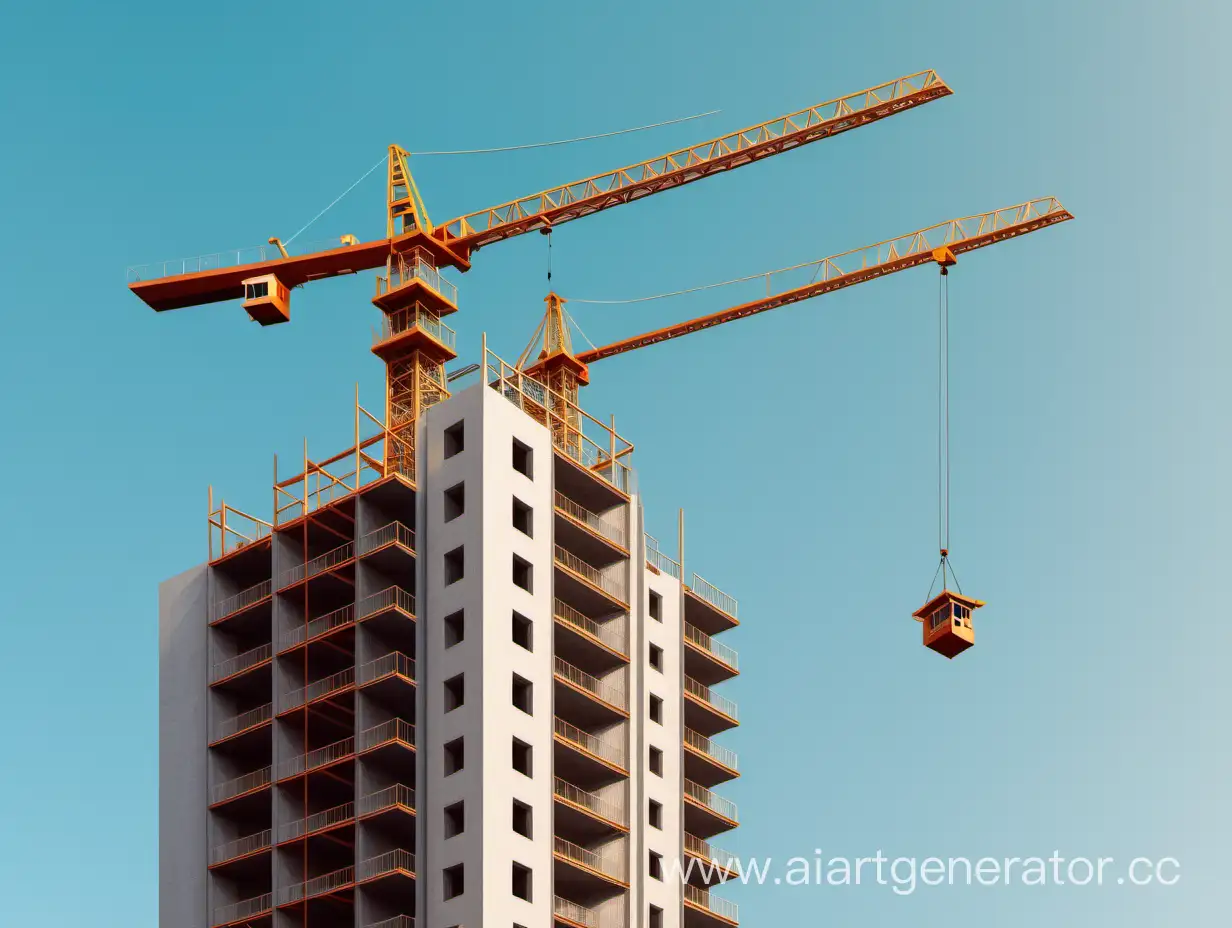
(414, 298)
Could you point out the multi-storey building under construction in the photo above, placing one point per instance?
(451, 681)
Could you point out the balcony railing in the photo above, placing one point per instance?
(724, 908)
(317, 886)
(612, 694)
(243, 721)
(704, 850)
(229, 789)
(241, 847)
(318, 821)
(605, 808)
(416, 315)
(574, 912)
(592, 744)
(660, 561)
(319, 564)
(392, 597)
(392, 797)
(607, 863)
(611, 634)
(320, 757)
(396, 861)
(610, 530)
(716, 752)
(710, 697)
(317, 627)
(394, 730)
(720, 652)
(711, 800)
(248, 908)
(398, 921)
(393, 533)
(318, 689)
(393, 664)
(713, 595)
(241, 662)
(242, 600)
(608, 582)
(408, 269)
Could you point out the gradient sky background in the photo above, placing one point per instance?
(1090, 392)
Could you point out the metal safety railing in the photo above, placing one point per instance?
(394, 731)
(591, 744)
(608, 529)
(319, 564)
(242, 600)
(574, 912)
(392, 797)
(705, 694)
(229, 727)
(241, 847)
(317, 627)
(415, 316)
(713, 595)
(317, 758)
(724, 908)
(235, 257)
(317, 886)
(602, 806)
(398, 921)
(393, 533)
(318, 689)
(660, 561)
(592, 860)
(247, 783)
(394, 664)
(717, 804)
(612, 694)
(395, 861)
(721, 652)
(716, 752)
(318, 821)
(393, 597)
(408, 269)
(611, 634)
(704, 850)
(241, 662)
(246, 908)
(608, 582)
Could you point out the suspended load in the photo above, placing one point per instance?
(947, 622)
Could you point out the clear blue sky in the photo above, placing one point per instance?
(1090, 399)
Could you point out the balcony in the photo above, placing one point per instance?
(707, 813)
(242, 723)
(398, 921)
(583, 812)
(390, 678)
(317, 628)
(328, 562)
(323, 885)
(659, 562)
(574, 914)
(610, 865)
(391, 743)
(395, 863)
(596, 590)
(597, 537)
(712, 909)
(241, 848)
(388, 612)
(324, 688)
(413, 270)
(706, 660)
(255, 599)
(243, 785)
(317, 759)
(708, 607)
(396, 798)
(607, 755)
(706, 711)
(391, 548)
(318, 823)
(238, 913)
(233, 667)
(706, 762)
(588, 699)
(714, 864)
(413, 327)
(600, 641)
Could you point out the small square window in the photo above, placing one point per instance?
(521, 882)
(455, 439)
(656, 917)
(656, 709)
(522, 823)
(455, 628)
(455, 565)
(523, 629)
(522, 694)
(453, 881)
(656, 657)
(455, 819)
(523, 517)
(523, 459)
(455, 501)
(455, 756)
(523, 574)
(656, 606)
(522, 757)
(656, 866)
(656, 761)
(455, 692)
(654, 814)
